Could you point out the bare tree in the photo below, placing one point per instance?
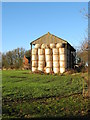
(13, 59)
(85, 48)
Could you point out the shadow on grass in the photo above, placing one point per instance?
(52, 118)
(18, 77)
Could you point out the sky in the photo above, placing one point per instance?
(23, 22)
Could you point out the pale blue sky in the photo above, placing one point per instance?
(24, 22)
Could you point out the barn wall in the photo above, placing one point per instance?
(70, 57)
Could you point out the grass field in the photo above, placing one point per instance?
(27, 95)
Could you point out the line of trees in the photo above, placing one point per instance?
(14, 59)
(82, 52)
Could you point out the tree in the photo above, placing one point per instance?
(82, 53)
(85, 51)
(28, 53)
(13, 59)
(4, 61)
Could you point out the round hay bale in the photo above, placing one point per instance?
(55, 51)
(62, 64)
(56, 64)
(62, 69)
(48, 58)
(43, 46)
(34, 69)
(41, 63)
(48, 51)
(34, 57)
(34, 63)
(41, 51)
(55, 57)
(49, 64)
(62, 57)
(48, 70)
(34, 51)
(41, 57)
(52, 45)
(56, 70)
(41, 68)
(62, 50)
(37, 46)
(58, 45)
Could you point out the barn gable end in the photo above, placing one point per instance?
(47, 39)
(65, 60)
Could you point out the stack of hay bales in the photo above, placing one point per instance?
(62, 59)
(34, 59)
(55, 60)
(41, 59)
(48, 59)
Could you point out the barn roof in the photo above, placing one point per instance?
(49, 38)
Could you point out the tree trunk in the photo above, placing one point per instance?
(89, 72)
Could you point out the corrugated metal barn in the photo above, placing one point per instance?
(52, 54)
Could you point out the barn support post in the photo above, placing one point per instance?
(74, 58)
(66, 57)
(89, 72)
(31, 56)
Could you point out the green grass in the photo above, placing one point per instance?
(27, 95)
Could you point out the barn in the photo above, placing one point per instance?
(52, 54)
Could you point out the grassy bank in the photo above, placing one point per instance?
(27, 95)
